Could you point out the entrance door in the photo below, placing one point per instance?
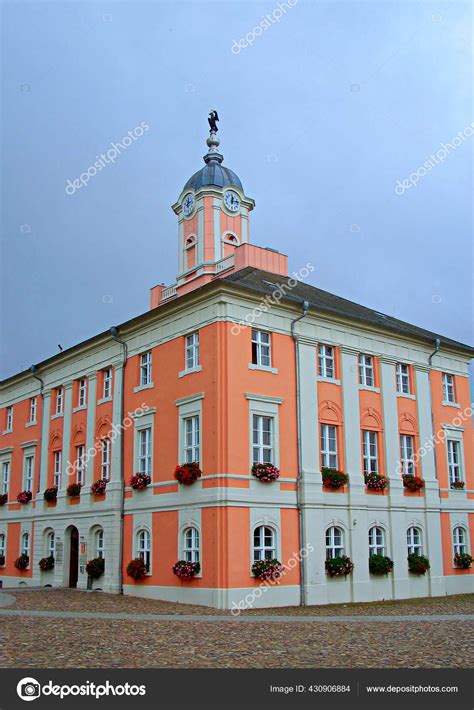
(74, 558)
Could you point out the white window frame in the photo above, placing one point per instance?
(366, 370)
(57, 467)
(144, 450)
(415, 540)
(107, 383)
(191, 351)
(455, 467)
(370, 442)
(28, 471)
(80, 464)
(50, 544)
(143, 542)
(328, 437)
(6, 468)
(449, 392)
(105, 458)
(191, 439)
(9, 423)
(25, 545)
(59, 400)
(334, 542)
(33, 407)
(82, 393)
(377, 545)
(407, 454)
(3, 545)
(263, 439)
(261, 348)
(403, 378)
(264, 543)
(191, 544)
(460, 540)
(145, 369)
(326, 361)
(99, 544)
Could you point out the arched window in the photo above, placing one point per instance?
(414, 544)
(264, 547)
(3, 547)
(144, 547)
(50, 544)
(376, 541)
(459, 541)
(191, 545)
(25, 544)
(99, 543)
(334, 542)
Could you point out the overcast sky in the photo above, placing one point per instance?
(323, 108)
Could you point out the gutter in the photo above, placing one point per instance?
(114, 331)
(302, 530)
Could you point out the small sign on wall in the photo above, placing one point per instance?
(59, 552)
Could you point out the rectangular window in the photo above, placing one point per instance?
(29, 471)
(80, 465)
(107, 383)
(371, 461)
(32, 410)
(366, 370)
(262, 439)
(5, 477)
(326, 361)
(407, 454)
(59, 400)
(145, 369)
(454, 460)
(105, 463)
(328, 446)
(9, 426)
(261, 353)
(192, 351)
(81, 399)
(58, 457)
(448, 388)
(403, 378)
(144, 451)
(191, 439)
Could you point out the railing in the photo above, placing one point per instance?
(168, 292)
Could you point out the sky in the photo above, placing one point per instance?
(326, 109)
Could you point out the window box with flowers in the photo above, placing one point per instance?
(140, 481)
(413, 483)
(95, 568)
(51, 494)
(332, 478)
(265, 472)
(339, 566)
(3, 498)
(186, 570)
(380, 564)
(188, 473)
(457, 485)
(98, 487)
(22, 562)
(46, 563)
(2, 560)
(24, 497)
(267, 569)
(74, 490)
(462, 560)
(137, 569)
(375, 481)
(418, 564)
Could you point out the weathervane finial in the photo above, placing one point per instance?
(213, 141)
(213, 118)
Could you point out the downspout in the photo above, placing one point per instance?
(437, 347)
(305, 306)
(34, 370)
(114, 331)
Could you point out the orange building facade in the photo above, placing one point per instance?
(234, 365)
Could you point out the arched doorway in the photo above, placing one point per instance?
(73, 556)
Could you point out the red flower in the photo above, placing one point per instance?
(188, 473)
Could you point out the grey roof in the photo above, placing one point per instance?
(213, 174)
(330, 304)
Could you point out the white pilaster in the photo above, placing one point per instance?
(309, 409)
(351, 412)
(66, 434)
(46, 414)
(117, 416)
(90, 427)
(425, 422)
(390, 423)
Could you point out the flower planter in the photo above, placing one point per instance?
(418, 564)
(267, 569)
(379, 564)
(51, 494)
(137, 569)
(98, 487)
(413, 483)
(265, 472)
(463, 560)
(95, 568)
(3, 498)
(46, 564)
(22, 562)
(188, 473)
(24, 497)
(186, 570)
(457, 485)
(339, 566)
(140, 481)
(74, 490)
(375, 482)
(332, 478)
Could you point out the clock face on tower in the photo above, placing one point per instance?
(231, 201)
(188, 204)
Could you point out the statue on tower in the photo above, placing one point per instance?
(213, 118)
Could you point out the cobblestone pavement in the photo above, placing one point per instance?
(35, 642)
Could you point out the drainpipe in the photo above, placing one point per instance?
(114, 331)
(305, 306)
(34, 370)
(437, 346)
